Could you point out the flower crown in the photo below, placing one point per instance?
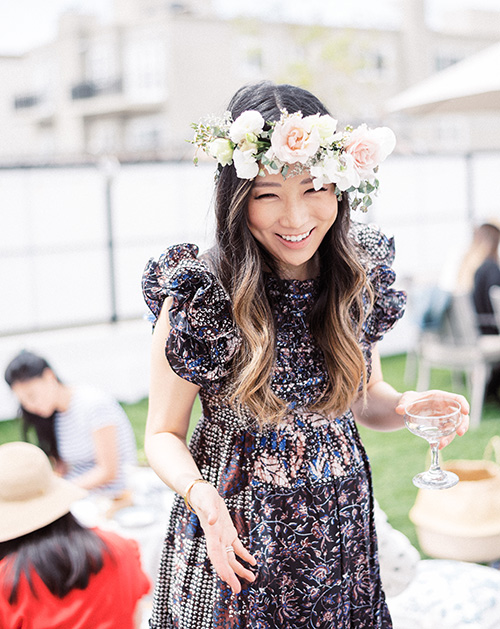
(349, 159)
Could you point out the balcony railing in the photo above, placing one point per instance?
(25, 101)
(91, 89)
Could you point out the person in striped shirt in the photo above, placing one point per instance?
(84, 431)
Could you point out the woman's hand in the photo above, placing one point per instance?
(221, 535)
(411, 396)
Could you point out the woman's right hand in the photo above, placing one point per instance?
(221, 534)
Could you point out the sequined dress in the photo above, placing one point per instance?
(300, 494)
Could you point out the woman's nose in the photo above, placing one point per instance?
(295, 215)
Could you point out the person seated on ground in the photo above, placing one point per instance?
(54, 571)
(85, 432)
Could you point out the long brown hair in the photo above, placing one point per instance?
(239, 260)
(484, 246)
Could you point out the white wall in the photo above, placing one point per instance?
(54, 259)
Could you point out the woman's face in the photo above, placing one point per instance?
(290, 219)
(38, 395)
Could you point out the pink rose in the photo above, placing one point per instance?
(295, 139)
(369, 147)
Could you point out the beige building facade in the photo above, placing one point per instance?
(130, 88)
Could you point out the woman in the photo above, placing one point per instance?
(85, 432)
(275, 330)
(53, 571)
(480, 271)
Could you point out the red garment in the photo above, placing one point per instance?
(108, 602)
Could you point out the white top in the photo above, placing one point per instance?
(90, 410)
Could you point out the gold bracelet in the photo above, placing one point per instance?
(188, 491)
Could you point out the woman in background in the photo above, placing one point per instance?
(479, 272)
(85, 432)
(53, 571)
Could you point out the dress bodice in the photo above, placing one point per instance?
(300, 374)
(204, 337)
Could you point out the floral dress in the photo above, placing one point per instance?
(299, 494)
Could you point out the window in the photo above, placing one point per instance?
(145, 68)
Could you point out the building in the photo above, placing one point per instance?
(132, 87)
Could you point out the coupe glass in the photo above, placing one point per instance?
(432, 419)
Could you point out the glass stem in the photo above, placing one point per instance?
(434, 468)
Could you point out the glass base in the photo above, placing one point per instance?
(435, 480)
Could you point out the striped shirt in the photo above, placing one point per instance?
(90, 410)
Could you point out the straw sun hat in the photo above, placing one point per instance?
(463, 522)
(31, 495)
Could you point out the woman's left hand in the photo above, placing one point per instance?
(411, 396)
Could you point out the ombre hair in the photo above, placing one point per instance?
(239, 260)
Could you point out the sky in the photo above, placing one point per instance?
(25, 24)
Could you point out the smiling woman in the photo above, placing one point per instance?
(290, 218)
(275, 328)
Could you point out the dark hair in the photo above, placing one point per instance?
(239, 259)
(24, 367)
(64, 554)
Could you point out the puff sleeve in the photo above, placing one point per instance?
(377, 255)
(203, 337)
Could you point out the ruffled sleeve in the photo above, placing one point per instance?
(377, 255)
(203, 337)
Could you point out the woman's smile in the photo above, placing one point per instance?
(290, 218)
(295, 239)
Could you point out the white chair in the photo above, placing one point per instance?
(459, 347)
(495, 302)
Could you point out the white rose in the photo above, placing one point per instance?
(248, 143)
(222, 150)
(326, 126)
(249, 122)
(318, 177)
(386, 139)
(339, 170)
(245, 164)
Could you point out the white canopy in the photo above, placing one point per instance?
(470, 85)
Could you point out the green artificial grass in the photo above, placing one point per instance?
(10, 431)
(395, 456)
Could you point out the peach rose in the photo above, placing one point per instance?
(295, 139)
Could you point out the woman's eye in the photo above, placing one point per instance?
(323, 189)
(266, 195)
